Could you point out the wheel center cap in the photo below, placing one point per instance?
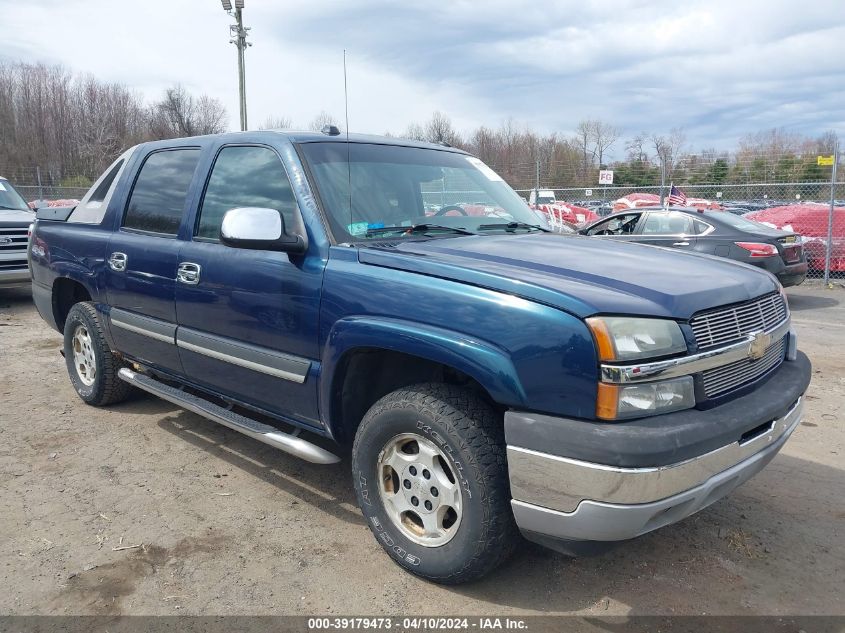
(423, 494)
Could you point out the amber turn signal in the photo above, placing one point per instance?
(604, 342)
(607, 401)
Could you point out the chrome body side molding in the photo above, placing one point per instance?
(259, 359)
(145, 326)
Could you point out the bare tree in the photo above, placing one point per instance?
(603, 136)
(636, 148)
(179, 113)
(414, 132)
(276, 123)
(210, 115)
(321, 120)
(582, 140)
(439, 130)
(668, 148)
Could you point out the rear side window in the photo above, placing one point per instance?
(667, 223)
(701, 227)
(158, 197)
(245, 176)
(99, 194)
(92, 208)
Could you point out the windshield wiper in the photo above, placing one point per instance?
(512, 226)
(416, 229)
(4, 207)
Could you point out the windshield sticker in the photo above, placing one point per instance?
(358, 228)
(484, 169)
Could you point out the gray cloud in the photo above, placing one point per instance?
(718, 68)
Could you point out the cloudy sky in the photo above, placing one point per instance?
(717, 68)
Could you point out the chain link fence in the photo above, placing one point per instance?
(800, 207)
(31, 193)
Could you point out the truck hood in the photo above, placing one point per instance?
(16, 218)
(581, 275)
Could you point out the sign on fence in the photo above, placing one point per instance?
(606, 176)
(825, 160)
(588, 192)
(718, 194)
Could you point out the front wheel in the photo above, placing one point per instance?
(430, 473)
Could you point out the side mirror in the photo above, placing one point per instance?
(260, 229)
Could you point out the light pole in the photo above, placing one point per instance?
(238, 34)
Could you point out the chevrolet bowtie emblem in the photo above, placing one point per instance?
(758, 345)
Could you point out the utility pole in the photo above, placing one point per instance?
(239, 34)
(40, 188)
(830, 215)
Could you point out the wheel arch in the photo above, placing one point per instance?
(66, 293)
(367, 357)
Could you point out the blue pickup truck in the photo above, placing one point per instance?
(397, 302)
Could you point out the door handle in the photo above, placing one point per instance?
(681, 244)
(188, 273)
(118, 261)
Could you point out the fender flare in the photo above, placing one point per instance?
(75, 272)
(485, 362)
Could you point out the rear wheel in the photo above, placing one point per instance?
(431, 477)
(91, 365)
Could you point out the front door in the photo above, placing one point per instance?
(248, 318)
(620, 226)
(142, 258)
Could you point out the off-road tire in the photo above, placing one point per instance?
(470, 433)
(107, 388)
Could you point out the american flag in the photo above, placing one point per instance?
(676, 196)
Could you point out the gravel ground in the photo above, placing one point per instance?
(231, 526)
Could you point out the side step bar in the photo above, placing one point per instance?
(262, 432)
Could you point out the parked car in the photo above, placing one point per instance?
(811, 221)
(488, 377)
(712, 233)
(543, 196)
(15, 219)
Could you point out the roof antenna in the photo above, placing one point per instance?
(348, 164)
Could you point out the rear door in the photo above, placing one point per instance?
(248, 318)
(142, 258)
(672, 229)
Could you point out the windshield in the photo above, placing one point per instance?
(402, 187)
(11, 199)
(546, 200)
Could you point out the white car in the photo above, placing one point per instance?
(15, 218)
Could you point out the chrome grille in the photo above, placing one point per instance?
(13, 240)
(730, 325)
(728, 377)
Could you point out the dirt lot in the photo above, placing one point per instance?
(231, 526)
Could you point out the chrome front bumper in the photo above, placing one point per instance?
(569, 499)
(18, 277)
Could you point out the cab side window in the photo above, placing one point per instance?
(158, 197)
(245, 176)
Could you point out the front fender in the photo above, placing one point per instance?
(488, 364)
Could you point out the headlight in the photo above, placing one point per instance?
(616, 402)
(631, 338)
